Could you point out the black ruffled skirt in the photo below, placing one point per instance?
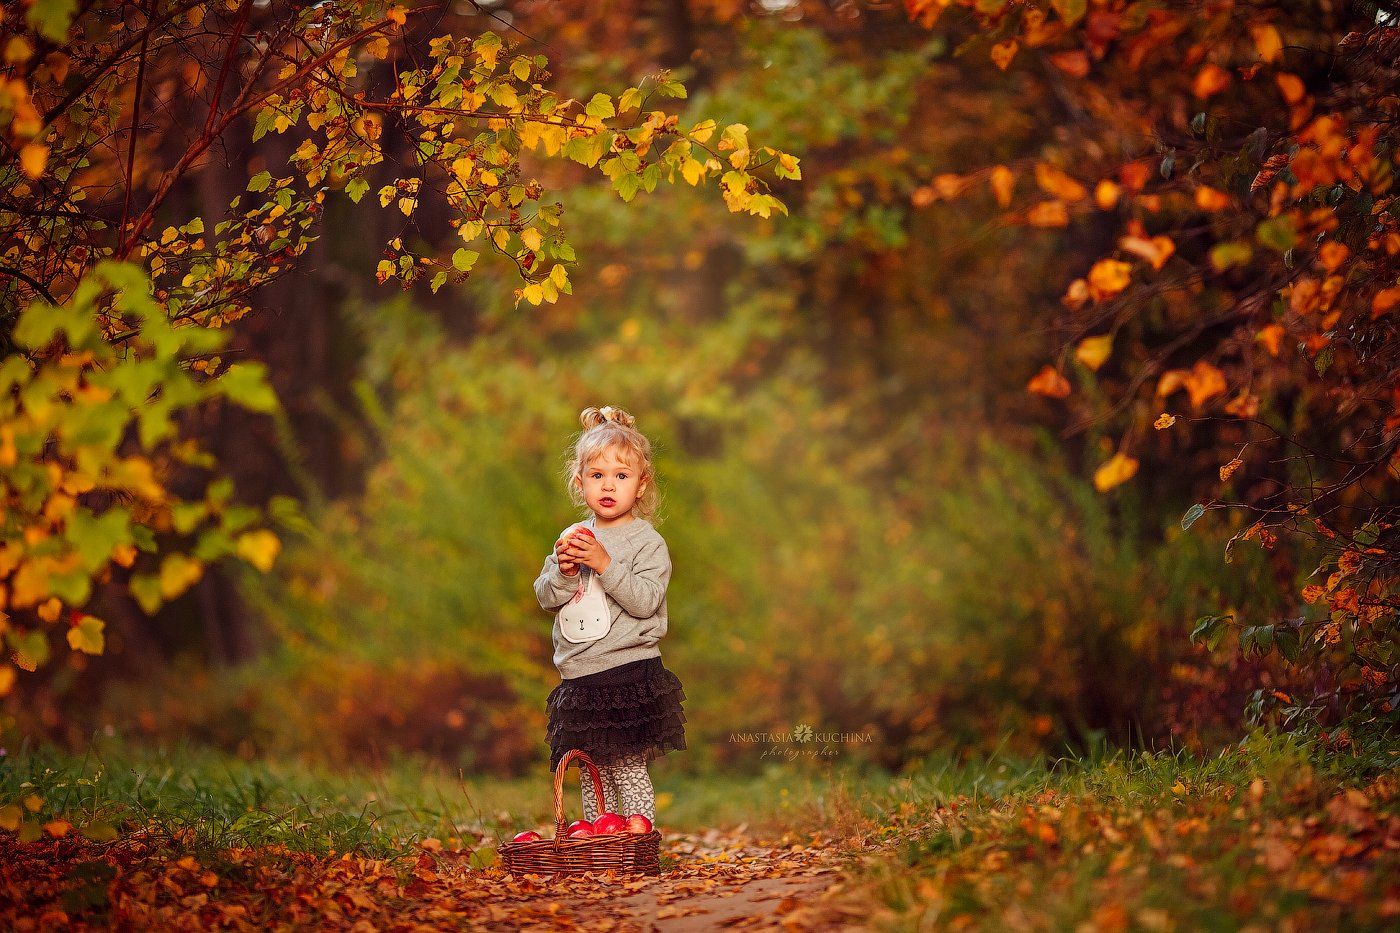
(634, 708)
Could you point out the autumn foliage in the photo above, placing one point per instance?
(1236, 160)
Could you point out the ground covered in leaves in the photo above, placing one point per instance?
(1274, 834)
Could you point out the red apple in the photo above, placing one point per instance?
(609, 823)
(579, 824)
(638, 823)
(528, 835)
(581, 832)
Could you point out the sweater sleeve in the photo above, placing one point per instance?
(552, 587)
(641, 589)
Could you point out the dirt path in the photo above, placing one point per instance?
(716, 881)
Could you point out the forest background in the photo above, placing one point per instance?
(1050, 404)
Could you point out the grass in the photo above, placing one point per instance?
(1276, 832)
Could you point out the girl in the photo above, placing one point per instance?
(616, 701)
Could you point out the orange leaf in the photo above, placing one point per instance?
(1290, 86)
(1384, 300)
(1211, 199)
(1266, 41)
(1156, 250)
(1074, 63)
(1003, 52)
(1049, 382)
(1333, 254)
(1106, 194)
(1108, 277)
(1211, 79)
(1270, 337)
(1058, 183)
(1075, 296)
(1204, 382)
(1229, 469)
(1164, 420)
(1002, 182)
(1048, 214)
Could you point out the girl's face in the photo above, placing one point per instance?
(610, 485)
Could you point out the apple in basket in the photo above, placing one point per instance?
(579, 828)
(610, 823)
(638, 823)
(528, 835)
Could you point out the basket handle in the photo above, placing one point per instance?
(563, 766)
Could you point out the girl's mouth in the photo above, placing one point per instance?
(608, 502)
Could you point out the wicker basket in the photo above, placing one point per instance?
(631, 852)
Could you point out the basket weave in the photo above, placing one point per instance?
(631, 852)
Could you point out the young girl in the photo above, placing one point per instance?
(616, 701)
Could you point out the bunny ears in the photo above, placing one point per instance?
(592, 417)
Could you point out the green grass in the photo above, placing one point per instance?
(202, 801)
(1275, 831)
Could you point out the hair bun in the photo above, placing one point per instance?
(592, 417)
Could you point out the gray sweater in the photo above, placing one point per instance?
(635, 588)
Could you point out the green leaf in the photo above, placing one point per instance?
(87, 636)
(31, 648)
(1193, 513)
(245, 384)
(260, 181)
(51, 18)
(463, 260)
(356, 188)
(601, 106)
(1277, 233)
(671, 88)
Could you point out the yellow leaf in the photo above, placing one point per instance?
(87, 635)
(50, 608)
(10, 815)
(533, 294)
(177, 573)
(33, 802)
(1116, 471)
(1093, 351)
(693, 170)
(259, 548)
(7, 680)
(1178, 788)
(531, 238)
(1164, 420)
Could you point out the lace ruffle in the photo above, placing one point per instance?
(576, 696)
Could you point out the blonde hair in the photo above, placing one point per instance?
(605, 429)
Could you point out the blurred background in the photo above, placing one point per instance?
(875, 528)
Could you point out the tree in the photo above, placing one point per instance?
(1239, 158)
(111, 324)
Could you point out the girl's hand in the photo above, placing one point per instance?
(567, 566)
(589, 551)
